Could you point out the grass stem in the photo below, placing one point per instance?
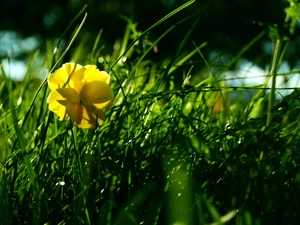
(274, 68)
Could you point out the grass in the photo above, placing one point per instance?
(174, 149)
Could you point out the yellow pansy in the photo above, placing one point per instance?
(80, 93)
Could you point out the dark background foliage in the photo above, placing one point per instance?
(226, 25)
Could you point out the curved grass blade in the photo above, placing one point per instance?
(152, 27)
(57, 62)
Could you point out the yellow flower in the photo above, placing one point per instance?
(80, 93)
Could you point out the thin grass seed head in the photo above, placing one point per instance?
(80, 93)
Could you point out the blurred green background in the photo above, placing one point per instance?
(227, 25)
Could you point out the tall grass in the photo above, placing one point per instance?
(174, 149)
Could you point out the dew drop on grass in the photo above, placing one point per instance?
(101, 60)
(179, 223)
(227, 127)
(19, 101)
(240, 141)
(61, 183)
(124, 59)
(117, 46)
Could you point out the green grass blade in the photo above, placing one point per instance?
(57, 62)
(275, 63)
(19, 136)
(153, 26)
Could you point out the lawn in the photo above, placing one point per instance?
(181, 143)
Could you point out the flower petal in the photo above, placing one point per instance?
(92, 73)
(66, 76)
(78, 86)
(75, 71)
(69, 94)
(85, 116)
(105, 105)
(74, 111)
(92, 116)
(96, 92)
(81, 94)
(57, 79)
(56, 107)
